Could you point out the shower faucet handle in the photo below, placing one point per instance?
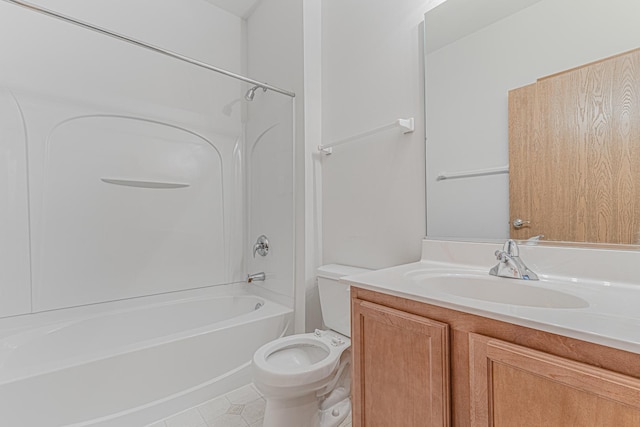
(261, 247)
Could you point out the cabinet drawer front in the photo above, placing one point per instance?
(400, 368)
(514, 385)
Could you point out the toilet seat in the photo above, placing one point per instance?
(299, 360)
(305, 379)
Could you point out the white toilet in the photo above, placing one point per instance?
(305, 378)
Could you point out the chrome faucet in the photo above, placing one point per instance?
(256, 277)
(510, 265)
(261, 247)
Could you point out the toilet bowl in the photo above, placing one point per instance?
(298, 373)
(305, 378)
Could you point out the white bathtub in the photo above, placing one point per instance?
(131, 362)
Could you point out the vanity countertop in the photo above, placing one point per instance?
(592, 309)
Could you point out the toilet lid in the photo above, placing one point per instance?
(297, 360)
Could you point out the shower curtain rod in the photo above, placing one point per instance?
(147, 46)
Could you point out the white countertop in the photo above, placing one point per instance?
(610, 314)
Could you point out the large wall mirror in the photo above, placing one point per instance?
(477, 52)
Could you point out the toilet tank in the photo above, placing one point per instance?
(334, 296)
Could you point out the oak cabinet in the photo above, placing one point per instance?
(416, 364)
(402, 361)
(513, 385)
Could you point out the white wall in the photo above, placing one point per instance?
(191, 27)
(467, 94)
(58, 73)
(373, 190)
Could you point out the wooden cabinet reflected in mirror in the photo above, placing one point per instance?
(574, 154)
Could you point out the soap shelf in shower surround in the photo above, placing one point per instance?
(143, 184)
(472, 173)
(406, 125)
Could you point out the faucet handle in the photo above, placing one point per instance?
(511, 248)
(261, 247)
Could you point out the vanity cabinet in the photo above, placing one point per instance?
(513, 385)
(416, 364)
(402, 361)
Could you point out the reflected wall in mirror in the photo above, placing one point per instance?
(476, 52)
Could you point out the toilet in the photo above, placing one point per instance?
(305, 378)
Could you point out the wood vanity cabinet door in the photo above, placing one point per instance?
(400, 368)
(517, 386)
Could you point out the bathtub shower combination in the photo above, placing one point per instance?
(128, 184)
(133, 363)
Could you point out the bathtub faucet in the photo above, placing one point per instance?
(261, 247)
(256, 277)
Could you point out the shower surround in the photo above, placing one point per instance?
(128, 193)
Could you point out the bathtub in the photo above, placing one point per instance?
(132, 362)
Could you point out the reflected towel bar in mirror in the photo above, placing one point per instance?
(472, 173)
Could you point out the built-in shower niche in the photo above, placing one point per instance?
(130, 207)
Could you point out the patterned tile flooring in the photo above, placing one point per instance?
(243, 407)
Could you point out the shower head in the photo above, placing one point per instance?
(252, 92)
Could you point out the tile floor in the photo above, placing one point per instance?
(243, 407)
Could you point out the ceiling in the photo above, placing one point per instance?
(240, 8)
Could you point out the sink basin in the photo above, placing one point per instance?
(501, 291)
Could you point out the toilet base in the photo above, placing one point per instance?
(336, 414)
(304, 411)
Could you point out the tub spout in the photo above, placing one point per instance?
(256, 277)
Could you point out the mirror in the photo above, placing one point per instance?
(476, 52)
